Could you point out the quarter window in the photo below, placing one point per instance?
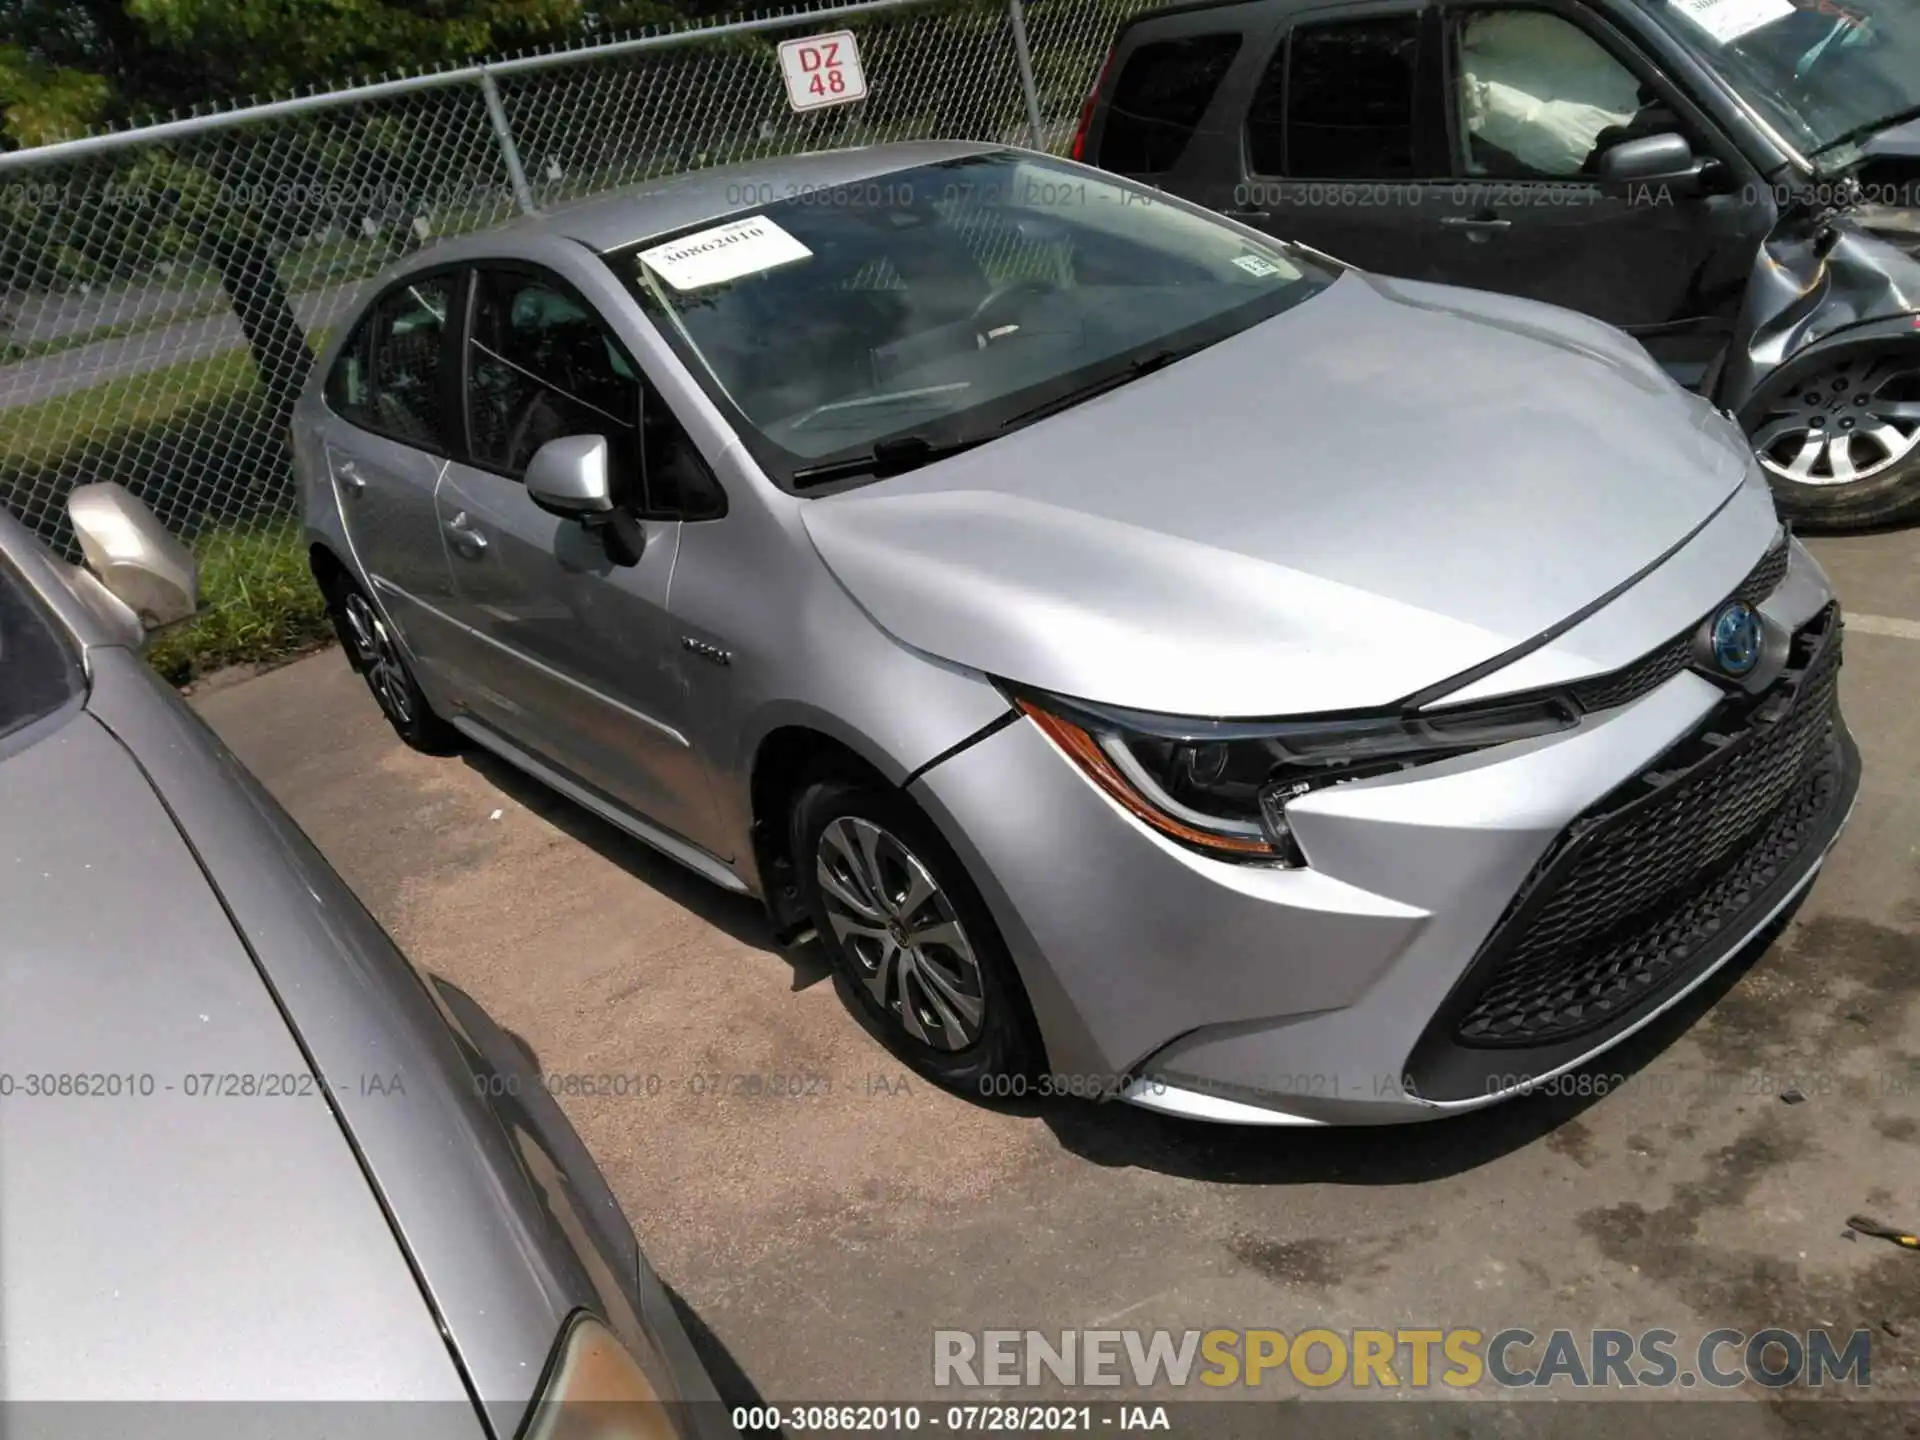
(1163, 91)
(1344, 109)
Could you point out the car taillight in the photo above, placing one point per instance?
(1086, 110)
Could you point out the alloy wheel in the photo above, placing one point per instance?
(378, 658)
(1845, 424)
(901, 932)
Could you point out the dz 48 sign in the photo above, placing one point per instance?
(822, 70)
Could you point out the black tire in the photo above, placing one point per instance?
(1884, 496)
(1007, 1043)
(379, 661)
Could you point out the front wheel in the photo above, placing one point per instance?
(1841, 447)
(910, 937)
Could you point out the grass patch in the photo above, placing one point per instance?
(258, 604)
(43, 432)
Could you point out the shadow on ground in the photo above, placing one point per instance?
(1125, 1136)
(741, 917)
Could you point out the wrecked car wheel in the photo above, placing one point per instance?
(1842, 446)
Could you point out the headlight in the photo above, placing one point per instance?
(596, 1390)
(1223, 786)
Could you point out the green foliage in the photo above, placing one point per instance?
(258, 604)
(71, 64)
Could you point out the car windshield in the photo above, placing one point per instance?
(1823, 72)
(37, 674)
(941, 305)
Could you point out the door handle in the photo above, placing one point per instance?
(1248, 215)
(1478, 227)
(467, 540)
(351, 480)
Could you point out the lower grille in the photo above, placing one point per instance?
(1609, 980)
(1641, 886)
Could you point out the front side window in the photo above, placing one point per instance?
(400, 391)
(1535, 95)
(37, 671)
(944, 302)
(1350, 99)
(1161, 94)
(542, 365)
(1824, 72)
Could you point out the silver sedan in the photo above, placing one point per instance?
(247, 1153)
(1158, 660)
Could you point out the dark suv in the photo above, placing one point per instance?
(1733, 182)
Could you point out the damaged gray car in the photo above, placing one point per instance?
(1732, 182)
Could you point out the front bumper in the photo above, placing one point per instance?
(1463, 931)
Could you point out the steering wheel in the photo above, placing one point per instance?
(991, 312)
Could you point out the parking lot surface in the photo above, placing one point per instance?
(824, 1227)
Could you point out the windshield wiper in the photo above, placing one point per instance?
(887, 457)
(1126, 375)
(1872, 127)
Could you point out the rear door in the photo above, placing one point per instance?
(387, 438)
(1340, 145)
(568, 654)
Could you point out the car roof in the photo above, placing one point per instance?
(1266, 7)
(672, 202)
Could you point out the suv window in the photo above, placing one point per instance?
(1348, 94)
(1158, 99)
(541, 364)
(387, 377)
(37, 673)
(1535, 95)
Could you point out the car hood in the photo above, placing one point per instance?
(1358, 499)
(169, 1229)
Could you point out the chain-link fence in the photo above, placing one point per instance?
(163, 291)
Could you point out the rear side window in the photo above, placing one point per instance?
(1337, 103)
(388, 376)
(1163, 90)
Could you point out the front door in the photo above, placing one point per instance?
(570, 655)
(1534, 95)
(386, 436)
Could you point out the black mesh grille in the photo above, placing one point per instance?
(1654, 669)
(1639, 885)
(1643, 676)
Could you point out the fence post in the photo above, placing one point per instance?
(503, 132)
(1023, 56)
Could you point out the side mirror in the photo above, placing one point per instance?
(1652, 160)
(569, 477)
(133, 555)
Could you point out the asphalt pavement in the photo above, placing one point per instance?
(824, 1230)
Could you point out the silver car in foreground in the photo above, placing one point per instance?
(1158, 660)
(247, 1153)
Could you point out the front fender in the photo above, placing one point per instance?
(1803, 305)
(1890, 333)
